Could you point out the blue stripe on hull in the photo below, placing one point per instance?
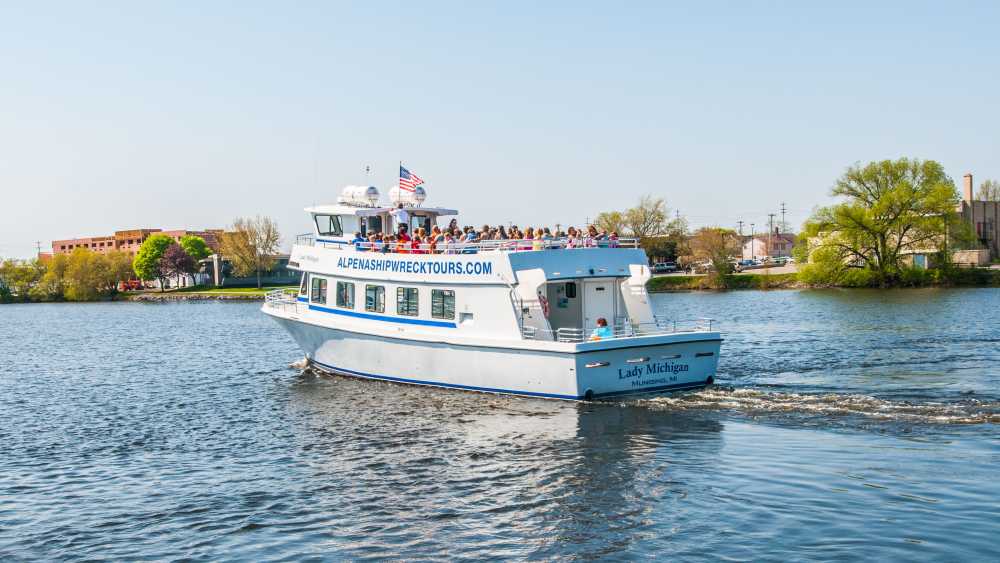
(675, 387)
(400, 320)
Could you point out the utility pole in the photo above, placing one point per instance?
(770, 229)
(784, 227)
(753, 255)
(38, 247)
(740, 230)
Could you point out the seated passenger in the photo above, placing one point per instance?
(403, 240)
(602, 330)
(613, 240)
(359, 242)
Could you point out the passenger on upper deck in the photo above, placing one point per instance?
(359, 242)
(403, 240)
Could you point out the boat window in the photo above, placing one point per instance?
(318, 290)
(375, 298)
(329, 225)
(345, 295)
(571, 290)
(304, 285)
(406, 301)
(374, 225)
(443, 303)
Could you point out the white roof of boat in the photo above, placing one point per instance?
(335, 209)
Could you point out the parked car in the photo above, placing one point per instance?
(664, 267)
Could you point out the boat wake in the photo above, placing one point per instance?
(756, 402)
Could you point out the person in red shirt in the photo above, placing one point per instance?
(403, 240)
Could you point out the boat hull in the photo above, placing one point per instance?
(649, 366)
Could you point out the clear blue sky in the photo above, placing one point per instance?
(119, 115)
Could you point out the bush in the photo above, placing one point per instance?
(859, 277)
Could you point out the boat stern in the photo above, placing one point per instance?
(647, 364)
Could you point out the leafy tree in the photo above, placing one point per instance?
(119, 269)
(989, 190)
(661, 248)
(196, 247)
(51, 286)
(18, 277)
(86, 276)
(177, 262)
(611, 221)
(648, 218)
(889, 209)
(251, 245)
(718, 246)
(148, 260)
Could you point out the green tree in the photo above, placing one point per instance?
(196, 247)
(119, 269)
(989, 190)
(250, 245)
(611, 221)
(86, 277)
(889, 209)
(717, 246)
(52, 284)
(648, 218)
(18, 277)
(148, 260)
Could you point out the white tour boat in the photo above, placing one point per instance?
(492, 316)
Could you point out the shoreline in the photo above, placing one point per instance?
(194, 296)
(767, 282)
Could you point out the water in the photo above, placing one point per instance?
(848, 425)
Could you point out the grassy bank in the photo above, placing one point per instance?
(955, 277)
(211, 290)
(739, 281)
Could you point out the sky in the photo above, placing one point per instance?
(118, 115)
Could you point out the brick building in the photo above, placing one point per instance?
(982, 216)
(130, 240)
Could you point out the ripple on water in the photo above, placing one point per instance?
(195, 441)
(753, 401)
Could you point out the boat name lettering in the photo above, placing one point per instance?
(638, 371)
(416, 267)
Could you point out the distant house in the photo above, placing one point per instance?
(982, 216)
(773, 245)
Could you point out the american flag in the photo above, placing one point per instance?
(408, 180)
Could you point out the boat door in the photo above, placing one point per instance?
(598, 301)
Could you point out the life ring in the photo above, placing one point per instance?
(545, 305)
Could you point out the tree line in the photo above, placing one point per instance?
(886, 212)
(84, 275)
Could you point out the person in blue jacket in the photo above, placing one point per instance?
(602, 330)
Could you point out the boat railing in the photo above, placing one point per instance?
(507, 245)
(620, 330)
(281, 299)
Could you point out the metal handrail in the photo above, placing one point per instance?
(624, 330)
(281, 298)
(459, 247)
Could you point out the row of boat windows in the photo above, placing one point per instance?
(407, 298)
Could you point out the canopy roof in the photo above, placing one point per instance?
(371, 211)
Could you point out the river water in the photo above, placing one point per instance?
(847, 425)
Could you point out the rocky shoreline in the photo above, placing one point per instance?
(196, 297)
